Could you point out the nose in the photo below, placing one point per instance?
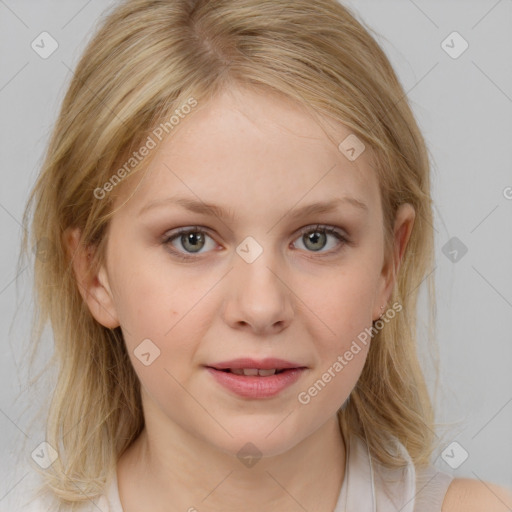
(258, 299)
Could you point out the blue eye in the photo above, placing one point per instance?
(194, 239)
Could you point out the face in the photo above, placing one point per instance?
(259, 278)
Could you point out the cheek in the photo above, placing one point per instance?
(153, 302)
(345, 303)
(341, 358)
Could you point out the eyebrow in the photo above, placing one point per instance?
(227, 214)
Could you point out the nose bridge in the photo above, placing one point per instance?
(257, 266)
(258, 295)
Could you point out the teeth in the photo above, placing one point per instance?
(265, 373)
(252, 372)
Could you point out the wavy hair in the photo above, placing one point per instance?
(146, 59)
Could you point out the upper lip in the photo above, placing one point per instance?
(268, 363)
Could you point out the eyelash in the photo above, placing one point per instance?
(308, 229)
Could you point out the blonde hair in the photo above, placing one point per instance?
(147, 59)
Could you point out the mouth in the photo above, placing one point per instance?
(255, 372)
(256, 379)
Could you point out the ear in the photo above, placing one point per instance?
(94, 287)
(404, 222)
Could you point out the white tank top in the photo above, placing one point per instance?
(367, 486)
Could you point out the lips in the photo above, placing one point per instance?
(256, 379)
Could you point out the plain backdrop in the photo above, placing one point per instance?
(463, 104)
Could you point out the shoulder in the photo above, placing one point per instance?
(469, 495)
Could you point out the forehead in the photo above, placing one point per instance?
(259, 151)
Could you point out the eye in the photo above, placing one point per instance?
(192, 240)
(315, 238)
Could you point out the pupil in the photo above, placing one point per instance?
(314, 237)
(195, 239)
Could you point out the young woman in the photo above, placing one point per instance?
(236, 202)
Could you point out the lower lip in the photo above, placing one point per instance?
(255, 386)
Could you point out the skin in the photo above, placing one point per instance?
(261, 157)
(468, 495)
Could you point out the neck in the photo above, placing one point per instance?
(167, 471)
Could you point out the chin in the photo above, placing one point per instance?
(261, 439)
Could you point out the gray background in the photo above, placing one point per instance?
(463, 106)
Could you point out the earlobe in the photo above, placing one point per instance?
(94, 287)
